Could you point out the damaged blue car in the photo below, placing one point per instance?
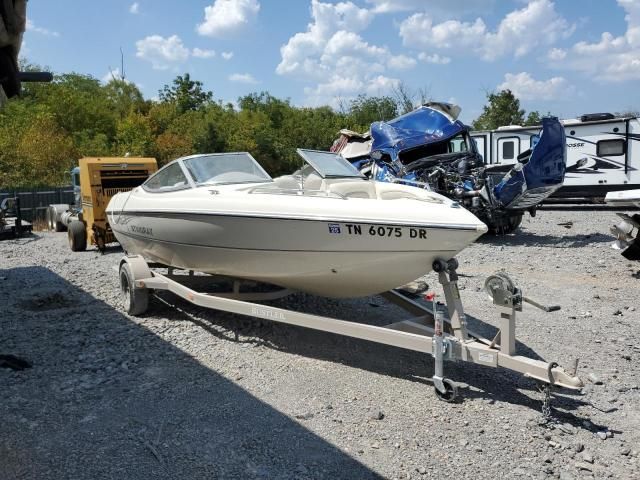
(429, 147)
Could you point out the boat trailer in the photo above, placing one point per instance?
(440, 330)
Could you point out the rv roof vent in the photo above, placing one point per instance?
(594, 117)
(507, 127)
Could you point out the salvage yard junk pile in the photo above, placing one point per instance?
(429, 147)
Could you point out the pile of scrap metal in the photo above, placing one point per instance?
(429, 147)
(627, 232)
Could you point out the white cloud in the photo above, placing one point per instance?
(32, 27)
(520, 32)
(525, 87)
(340, 89)
(612, 59)
(200, 53)
(112, 74)
(227, 55)
(434, 58)
(162, 52)
(332, 53)
(226, 16)
(134, 8)
(449, 7)
(243, 78)
(556, 54)
(401, 62)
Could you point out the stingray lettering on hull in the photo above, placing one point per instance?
(141, 230)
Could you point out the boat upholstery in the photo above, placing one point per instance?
(287, 182)
(357, 189)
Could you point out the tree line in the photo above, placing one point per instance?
(50, 126)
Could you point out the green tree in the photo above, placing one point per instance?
(364, 110)
(502, 108)
(186, 94)
(125, 97)
(134, 136)
(46, 154)
(533, 118)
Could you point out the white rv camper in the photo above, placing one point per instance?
(603, 153)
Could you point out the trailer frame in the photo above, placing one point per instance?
(419, 332)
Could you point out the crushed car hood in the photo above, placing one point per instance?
(429, 123)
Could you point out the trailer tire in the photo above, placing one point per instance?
(77, 236)
(135, 300)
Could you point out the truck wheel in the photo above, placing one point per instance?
(52, 220)
(77, 236)
(135, 300)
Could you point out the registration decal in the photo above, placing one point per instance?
(334, 228)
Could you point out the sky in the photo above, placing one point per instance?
(565, 57)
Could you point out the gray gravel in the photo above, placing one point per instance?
(186, 393)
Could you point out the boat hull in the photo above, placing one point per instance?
(325, 257)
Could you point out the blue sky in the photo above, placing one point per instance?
(564, 56)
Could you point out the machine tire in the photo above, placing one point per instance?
(77, 236)
(135, 300)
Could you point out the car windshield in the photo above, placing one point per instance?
(226, 168)
(329, 165)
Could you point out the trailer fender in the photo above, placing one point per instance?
(139, 268)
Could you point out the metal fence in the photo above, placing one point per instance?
(34, 201)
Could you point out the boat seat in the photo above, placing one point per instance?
(398, 194)
(288, 182)
(362, 189)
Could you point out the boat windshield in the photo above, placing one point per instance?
(225, 168)
(329, 165)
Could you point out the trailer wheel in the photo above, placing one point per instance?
(77, 236)
(135, 300)
(450, 394)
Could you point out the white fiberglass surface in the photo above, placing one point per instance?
(226, 168)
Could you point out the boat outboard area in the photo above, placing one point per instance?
(325, 230)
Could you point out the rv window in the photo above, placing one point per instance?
(508, 150)
(610, 148)
(169, 178)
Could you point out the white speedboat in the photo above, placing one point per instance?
(325, 230)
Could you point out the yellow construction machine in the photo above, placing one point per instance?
(95, 181)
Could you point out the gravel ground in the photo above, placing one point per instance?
(188, 393)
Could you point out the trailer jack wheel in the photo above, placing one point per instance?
(450, 393)
(135, 300)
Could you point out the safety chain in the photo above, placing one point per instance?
(546, 403)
